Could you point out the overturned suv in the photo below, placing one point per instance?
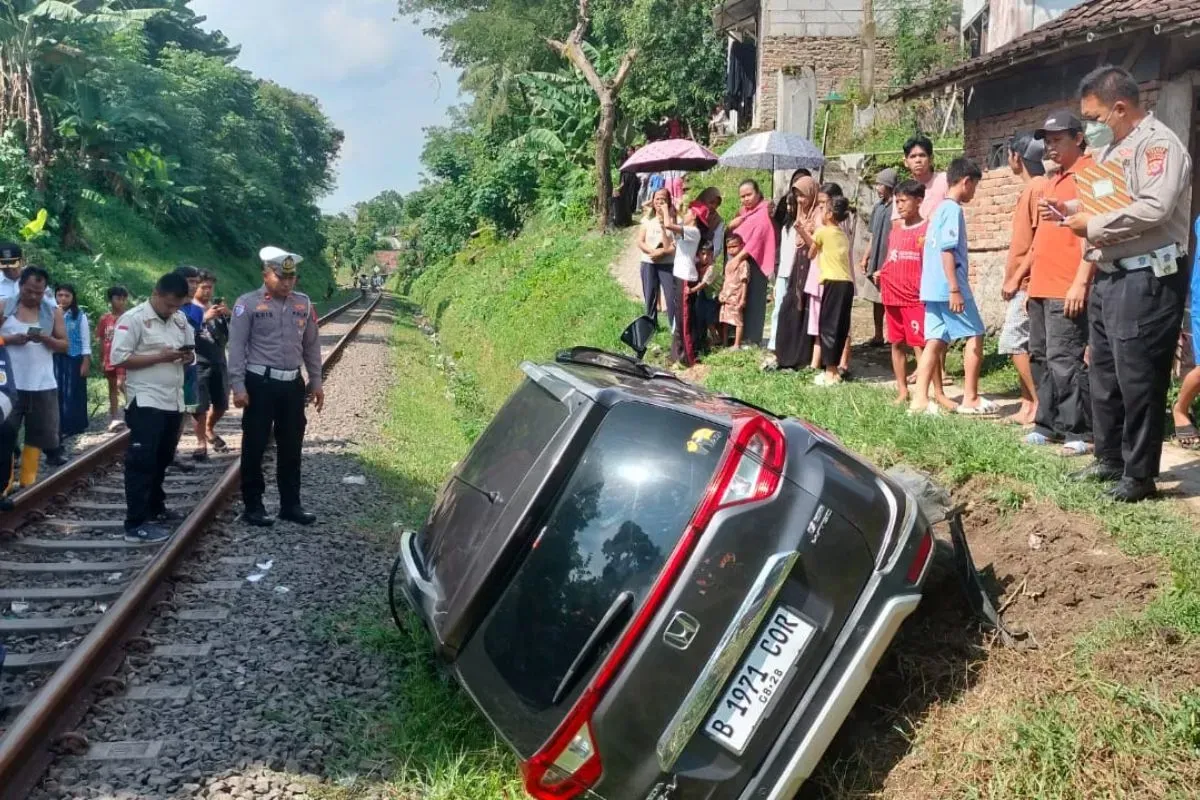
(653, 591)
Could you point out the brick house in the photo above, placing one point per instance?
(1015, 87)
(822, 38)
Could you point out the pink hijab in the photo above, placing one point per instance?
(759, 237)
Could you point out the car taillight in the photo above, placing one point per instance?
(921, 559)
(569, 763)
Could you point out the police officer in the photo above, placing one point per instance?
(1137, 297)
(273, 330)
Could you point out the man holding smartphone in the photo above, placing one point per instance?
(153, 342)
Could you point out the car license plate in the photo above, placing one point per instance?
(775, 651)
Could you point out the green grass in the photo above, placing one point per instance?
(1064, 732)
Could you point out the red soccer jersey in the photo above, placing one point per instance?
(105, 330)
(900, 277)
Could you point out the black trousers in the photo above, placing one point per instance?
(8, 452)
(1135, 318)
(1056, 349)
(153, 436)
(655, 277)
(754, 317)
(837, 303)
(277, 405)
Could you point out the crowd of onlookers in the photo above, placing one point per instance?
(47, 338)
(1065, 261)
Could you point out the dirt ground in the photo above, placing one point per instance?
(1055, 576)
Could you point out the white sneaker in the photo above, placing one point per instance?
(116, 425)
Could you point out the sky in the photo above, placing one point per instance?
(378, 79)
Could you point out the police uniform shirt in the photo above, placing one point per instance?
(141, 331)
(269, 332)
(1158, 171)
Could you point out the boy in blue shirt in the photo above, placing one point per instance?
(950, 309)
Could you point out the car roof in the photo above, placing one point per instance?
(608, 379)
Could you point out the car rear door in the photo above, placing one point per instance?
(480, 516)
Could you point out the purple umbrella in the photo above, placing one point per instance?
(683, 155)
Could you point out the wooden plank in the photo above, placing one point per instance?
(69, 593)
(46, 624)
(69, 545)
(70, 567)
(32, 661)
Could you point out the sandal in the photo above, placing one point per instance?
(986, 408)
(1076, 448)
(1187, 437)
(200, 455)
(1037, 439)
(218, 443)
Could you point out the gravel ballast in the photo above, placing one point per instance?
(246, 693)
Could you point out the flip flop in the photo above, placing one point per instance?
(986, 408)
(1187, 437)
(1077, 448)
(218, 443)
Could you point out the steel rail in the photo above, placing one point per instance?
(30, 502)
(25, 748)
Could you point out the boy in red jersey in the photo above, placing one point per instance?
(900, 284)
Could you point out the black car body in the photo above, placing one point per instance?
(652, 591)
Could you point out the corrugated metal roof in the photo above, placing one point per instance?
(1085, 23)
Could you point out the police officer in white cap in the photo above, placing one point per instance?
(273, 332)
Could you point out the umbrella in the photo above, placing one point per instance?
(773, 150)
(683, 155)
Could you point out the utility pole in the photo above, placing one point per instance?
(868, 50)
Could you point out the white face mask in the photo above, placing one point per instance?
(1098, 134)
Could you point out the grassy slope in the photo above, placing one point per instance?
(499, 303)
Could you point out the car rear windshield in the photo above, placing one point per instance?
(620, 514)
(497, 464)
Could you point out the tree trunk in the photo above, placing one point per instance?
(604, 141)
(868, 51)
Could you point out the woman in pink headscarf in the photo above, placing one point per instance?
(761, 243)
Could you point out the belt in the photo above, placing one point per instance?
(1164, 256)
(286, 375)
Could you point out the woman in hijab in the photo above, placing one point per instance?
(793, 344)
(761, 241)
(785, 217)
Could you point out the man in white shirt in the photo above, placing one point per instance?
(153, 342)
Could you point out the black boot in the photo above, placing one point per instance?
(1133, 490)
(298, 515)
(258, 517)
(1102, 471)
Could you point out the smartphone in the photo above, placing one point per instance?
(1054, 212)
(34, 331)
(187, 348)
(220, 301)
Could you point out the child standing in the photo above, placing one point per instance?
(950, 310)
(830, 244)
(900, 284)
(118, 300)
(734, 288)
(688, 232)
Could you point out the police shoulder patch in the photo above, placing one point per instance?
(1156, 160)
(238, 310)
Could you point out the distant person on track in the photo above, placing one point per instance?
(274, 331)
(33, 331)
(71, 369)
(153, 342)
(118, 302)
(212, 377)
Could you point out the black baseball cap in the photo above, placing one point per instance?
(10, 252)
(1062, 120)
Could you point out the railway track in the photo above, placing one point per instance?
(74, 594)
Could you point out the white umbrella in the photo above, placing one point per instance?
(774, 151)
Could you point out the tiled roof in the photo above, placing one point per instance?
(1085, 23)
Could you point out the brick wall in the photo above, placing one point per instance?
(989, 218)
(835, 60)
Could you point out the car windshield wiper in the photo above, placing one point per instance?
(492, 497)
(599, 636)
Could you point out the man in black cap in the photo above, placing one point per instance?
(12, 261)
(273, 333)
(1059, 283)
(1137, 298)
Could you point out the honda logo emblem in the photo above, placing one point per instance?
(681, 631)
